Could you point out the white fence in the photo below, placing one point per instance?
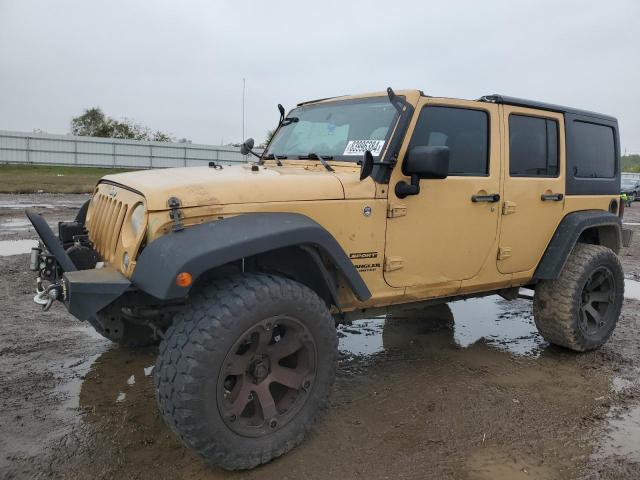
(46, 149)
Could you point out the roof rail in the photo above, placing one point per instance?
(522, 102)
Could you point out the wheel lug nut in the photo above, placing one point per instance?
(306, 384)
(250, 397)
(232, 418)
(273, 424)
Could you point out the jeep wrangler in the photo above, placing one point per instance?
(358, 202)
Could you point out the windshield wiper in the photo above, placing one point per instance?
(315, 156)
(275, 157)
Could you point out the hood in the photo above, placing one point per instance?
(203, 186)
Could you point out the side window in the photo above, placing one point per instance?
(594, 150)
(533, 147)
(464, 131)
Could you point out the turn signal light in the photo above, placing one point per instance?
(184, 279)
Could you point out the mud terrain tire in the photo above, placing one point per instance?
(579, 310)
(113, 325)
(226, 327)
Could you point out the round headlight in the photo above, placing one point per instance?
(137, 219)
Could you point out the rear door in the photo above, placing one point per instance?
(534, 185)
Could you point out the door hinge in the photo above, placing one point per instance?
(504, 253)
(508, 207)
(394, 211)
(175, 213)
(392, 263)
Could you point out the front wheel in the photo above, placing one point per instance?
(579, 310)
(246, 368)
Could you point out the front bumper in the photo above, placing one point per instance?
(86, 292)
(83, 292)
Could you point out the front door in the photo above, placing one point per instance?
(445, 234)
(533, 186)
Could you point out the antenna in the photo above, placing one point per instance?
(243, 89)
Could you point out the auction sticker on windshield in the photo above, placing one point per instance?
(358, 147)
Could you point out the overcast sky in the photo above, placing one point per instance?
(177, 66)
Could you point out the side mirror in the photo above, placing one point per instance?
(366, 165)
(247, 147)
(281, 110)
(427, 162)
(423, 163)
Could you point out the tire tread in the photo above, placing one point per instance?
(206, 321)
(556, 301)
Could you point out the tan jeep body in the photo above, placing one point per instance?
(435, 244)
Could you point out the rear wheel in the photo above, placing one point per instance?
(246, 368)
(580, 309)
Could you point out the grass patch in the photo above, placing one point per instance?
(51, 178)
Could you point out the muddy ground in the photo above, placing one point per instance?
(466, 391)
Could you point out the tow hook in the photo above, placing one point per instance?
(46, 296)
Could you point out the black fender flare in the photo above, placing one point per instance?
(200, 248)
(572, 226)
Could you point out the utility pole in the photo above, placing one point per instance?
(243, 89)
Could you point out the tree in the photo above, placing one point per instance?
(94, 123)
(631, 163)
(267, 139)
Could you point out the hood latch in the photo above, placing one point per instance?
(176, 213)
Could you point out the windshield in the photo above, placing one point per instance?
(341, 130)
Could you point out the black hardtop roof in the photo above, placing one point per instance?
(522, 102)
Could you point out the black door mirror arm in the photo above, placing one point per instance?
(404, 189)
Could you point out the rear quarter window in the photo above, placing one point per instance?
(594, 150)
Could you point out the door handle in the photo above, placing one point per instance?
(553, 197)
(491, 198)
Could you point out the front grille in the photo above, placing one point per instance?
(104, 224)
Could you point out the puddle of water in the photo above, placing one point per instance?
(502, 324)
(632, 289)
(15, 224)
(622, 437)
(362, 337)
(16, 247)
(19, 205)
(507, 325)
(21, 202)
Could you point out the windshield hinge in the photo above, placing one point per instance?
(394, 211)
(175, 214)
